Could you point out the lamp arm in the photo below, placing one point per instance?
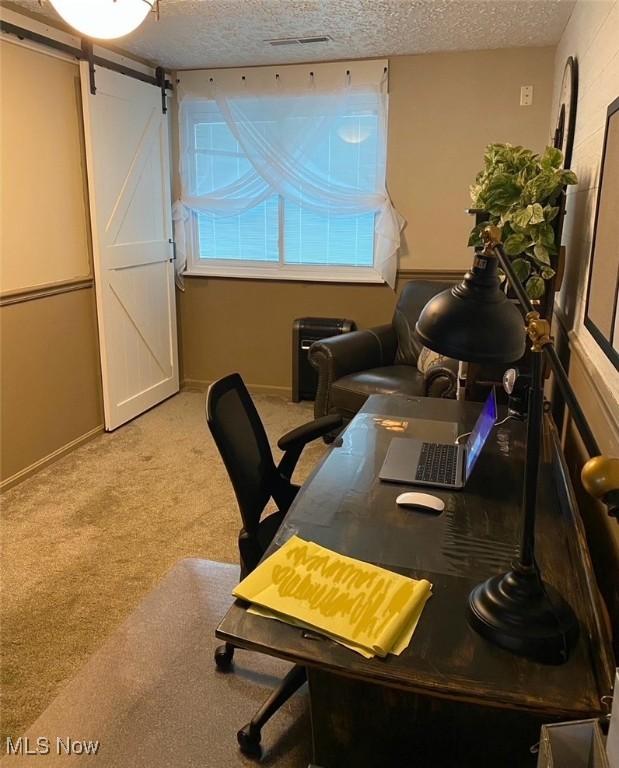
(600, 475)
(591, 444)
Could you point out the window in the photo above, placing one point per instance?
(249, 236)
(283, 235)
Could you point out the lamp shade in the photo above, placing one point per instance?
(103, 19)
(474, 321)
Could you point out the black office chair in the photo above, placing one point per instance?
(242, 442)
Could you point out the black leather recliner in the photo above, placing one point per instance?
(384, 360)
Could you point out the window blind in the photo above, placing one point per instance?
(281, 230)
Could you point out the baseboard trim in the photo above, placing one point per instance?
(49, 459)
(256, 389)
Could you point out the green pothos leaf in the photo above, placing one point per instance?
(522, 216)
(535, 287)
(552, 158)
(569, 177)
(537, 213)
(550, 212)
(516, 244)
(475, 237)
(546, 235)
(501, 192)
(522, 268)
(541, 253)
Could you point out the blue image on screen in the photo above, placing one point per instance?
(481, 431)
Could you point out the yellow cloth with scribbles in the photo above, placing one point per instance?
(369, 609)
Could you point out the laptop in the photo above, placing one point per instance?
(442, 465)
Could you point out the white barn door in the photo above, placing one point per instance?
(129, 187)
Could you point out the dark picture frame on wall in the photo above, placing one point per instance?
(566, 118)
(601, 308)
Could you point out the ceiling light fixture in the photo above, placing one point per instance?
(105, 19)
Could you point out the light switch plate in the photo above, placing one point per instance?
(526, 95)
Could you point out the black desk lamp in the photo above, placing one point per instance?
(475, 322)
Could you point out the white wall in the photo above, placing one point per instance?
(592, 36)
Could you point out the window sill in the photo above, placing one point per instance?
(300, 274)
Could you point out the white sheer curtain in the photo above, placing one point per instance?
(282, 133)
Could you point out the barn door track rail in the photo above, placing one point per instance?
(86, 53)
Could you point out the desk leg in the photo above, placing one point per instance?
(370, 726)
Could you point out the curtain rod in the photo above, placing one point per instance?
(78, 53)
(311, 72)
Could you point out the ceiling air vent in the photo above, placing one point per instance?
(320, 39)
(297, 40)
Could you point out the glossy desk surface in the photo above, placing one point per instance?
(344, 506)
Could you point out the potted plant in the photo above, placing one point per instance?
(520, 192)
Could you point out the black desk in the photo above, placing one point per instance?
(450, 698)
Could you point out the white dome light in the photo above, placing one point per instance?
(353, 134)
(103, 19)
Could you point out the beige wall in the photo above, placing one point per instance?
(246, 325)
(592, 36)
(49, 365)
(43, 219)
(49, 359)
(443, 110)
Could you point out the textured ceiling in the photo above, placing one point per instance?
(227, 33)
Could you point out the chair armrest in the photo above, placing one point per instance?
(441, 378)
(352, 352)
(339, 356)
(304, 434)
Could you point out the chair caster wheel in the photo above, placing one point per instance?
(223, 657)
(249, 741)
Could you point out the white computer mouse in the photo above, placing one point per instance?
(423, 500)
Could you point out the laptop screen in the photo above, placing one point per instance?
(481, 431)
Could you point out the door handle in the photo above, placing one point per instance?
(173, 244)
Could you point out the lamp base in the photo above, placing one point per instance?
(522, 614)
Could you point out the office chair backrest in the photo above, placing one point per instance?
(242, 442)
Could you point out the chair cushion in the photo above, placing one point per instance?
(350, 392)
(427, 359)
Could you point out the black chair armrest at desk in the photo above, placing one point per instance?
(293, 442)
(300, 436)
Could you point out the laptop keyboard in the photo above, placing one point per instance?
(437, 463)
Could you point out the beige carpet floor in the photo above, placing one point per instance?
(86, 538)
